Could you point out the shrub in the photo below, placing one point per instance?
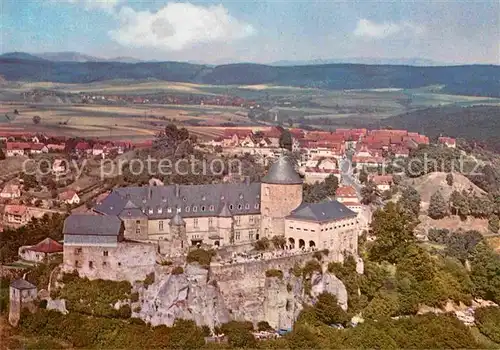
(166, 263)
(317, 255)
(137, 309)
(201, 256)
(206, 330)
(310, 267)
(262, 244)
(134, 297)
(178, 270)
(274, 273)
(488, 322)
(124, 311)
(296, 270)
(263, 326)
(149, 280)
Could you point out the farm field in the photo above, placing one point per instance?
(137, 122)
(134, 123)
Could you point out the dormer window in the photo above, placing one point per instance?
(169, 210)
(230, 207)
(247, 206)
(256, 206)
(240, 206)
(202, 208)
(178, 210)
(163, 199)
(195, 208)
(160, 210)
(144, 200)
(212, 208)
(150, 210)
(187, 209)
(222, 197)
(184, 199)
(241, 195)
(203, 198)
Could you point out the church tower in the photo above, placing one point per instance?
(281, 192)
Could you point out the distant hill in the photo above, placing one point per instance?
(20, 56)
(477, 123)
(480, 80)
(71, 56)
(419, 62)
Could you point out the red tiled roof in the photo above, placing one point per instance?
(346, 191)
(381, 179)
(82, 146)
(48, 245)
(69, 194)
(319, 170)
(447, 140)
(37, 146)
(15, 209)
(18, 145)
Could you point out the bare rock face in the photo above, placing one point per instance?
(330, 284)
(187, 296)
(193, 296)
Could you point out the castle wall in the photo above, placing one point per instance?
(129, 261)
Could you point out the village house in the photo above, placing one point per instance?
(17, 148)
(317, 174)
(54, 147)
(11, 191)
(38, 148)
(98, 150)
(448, 141)
(383, 182)
(41, 251)
(346, 194)
(59, 167)
(16, 215)
(69, 197)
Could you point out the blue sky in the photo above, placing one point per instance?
(255, 31)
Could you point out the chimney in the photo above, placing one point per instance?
(150, 192)
(247, 180)
(177, 190)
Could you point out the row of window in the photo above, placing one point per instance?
(325, 229)
(91, 264)
(202, 208)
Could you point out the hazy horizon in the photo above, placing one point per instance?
(216, 32)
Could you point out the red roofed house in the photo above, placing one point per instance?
(69, 197)
(313, 175)
(448, 141)
(11, 191)
(17, 148)
(233, 137)
(16, 214)
(383, 182)
(54, 147)
(346, 194)
(38, 148)
(40, 251)
(83, 147)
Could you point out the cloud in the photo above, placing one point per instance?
(369, 29)
(177, 26)
(93, 4)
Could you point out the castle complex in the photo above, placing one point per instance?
(175, 217)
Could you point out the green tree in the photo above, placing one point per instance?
(2, 154)
(488, 322)
(437, 206)
(369, 193)
(449, 179)
(363, 176)
(239, 334)
(331, 184)
(494, 223)
(286, 140)
(328, 310)
(393, 231)
(485, 272)
(410, 201)
(459, 204)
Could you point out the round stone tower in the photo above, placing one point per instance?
(281, 192)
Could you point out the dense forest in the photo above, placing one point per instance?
(479, 124)
(480, 80)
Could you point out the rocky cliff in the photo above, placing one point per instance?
(211, 299)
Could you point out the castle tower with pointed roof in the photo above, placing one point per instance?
(281, 192)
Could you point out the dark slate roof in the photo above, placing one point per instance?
(160, 202)
(282, 172)
(97, 225)
(22, 284)
(325, 211)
